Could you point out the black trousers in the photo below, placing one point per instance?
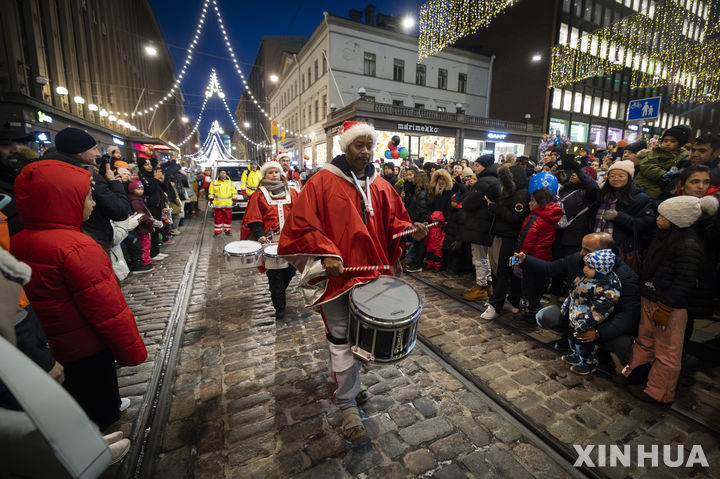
(93, 383)
(505, 279)
(155, 235)
(279, 279)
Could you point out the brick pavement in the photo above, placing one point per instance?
(252, 399)
(574, 409)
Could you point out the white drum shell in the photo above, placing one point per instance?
(250, 257)
(272, 260)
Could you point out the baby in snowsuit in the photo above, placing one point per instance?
(592, 298)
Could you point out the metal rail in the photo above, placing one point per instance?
(681, 413)
(155, 409)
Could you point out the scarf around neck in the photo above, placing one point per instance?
(276, 188)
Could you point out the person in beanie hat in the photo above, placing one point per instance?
(592, 299)
(630, 152)
(483, 162)
(78, 148)
(665, 158)
(346, 216)
(264, 220)
(670, 270)
(146, 224)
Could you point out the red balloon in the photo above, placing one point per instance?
(395, 154)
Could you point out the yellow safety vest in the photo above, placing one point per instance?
(222, 193)
(250, 181)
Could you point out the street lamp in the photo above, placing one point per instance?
(61, 90)
(92, 107)
(274, 78)
(185, 119)
(408, 22)
(537, 57)
(246, 124)
(151, 50)
(361, 92)
(79, 100)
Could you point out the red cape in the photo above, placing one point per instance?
(327, 220)
(259, 211)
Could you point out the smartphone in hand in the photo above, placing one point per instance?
(138, 216)
(513, 261)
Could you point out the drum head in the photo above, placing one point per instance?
(242, 247)
(270, 249)
(386, 298)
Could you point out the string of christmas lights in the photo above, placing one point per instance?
(656, 47)
(197, 123)
(443, 22)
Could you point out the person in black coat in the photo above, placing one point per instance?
(669, 272)
(414, 197)
(616, 332)
(78, 148)
(478, 221)
(154, 198)
(576, 196)
(509, 212)
(624, 211)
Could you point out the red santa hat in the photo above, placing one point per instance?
(353, 130)
(283, 155)
(270, 164)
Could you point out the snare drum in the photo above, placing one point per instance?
(271, 258)
(383, 319)
(243, 254)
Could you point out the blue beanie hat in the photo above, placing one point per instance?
(486, 160)
(73, 141)
(602, 261)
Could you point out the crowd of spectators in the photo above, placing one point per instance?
(526, 231)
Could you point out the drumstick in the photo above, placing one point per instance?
(352, 269)
(414, 229)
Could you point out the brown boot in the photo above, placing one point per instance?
(477, 293)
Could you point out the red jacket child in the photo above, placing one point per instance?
(73, 287)
(538, 231)
(434, 241)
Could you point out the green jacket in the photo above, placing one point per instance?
(657, 163)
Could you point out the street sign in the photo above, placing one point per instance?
(644, 109)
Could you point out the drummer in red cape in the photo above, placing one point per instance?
(346, 215)
(266, 213)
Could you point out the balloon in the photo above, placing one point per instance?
(396, 140)
(390, 145)
(544, 179)
(404, 153)
(388, 154)
(395, 154)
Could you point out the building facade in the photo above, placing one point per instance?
(593, 111)
(83, 63)
(346, 60)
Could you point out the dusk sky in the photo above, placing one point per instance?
(246, 22)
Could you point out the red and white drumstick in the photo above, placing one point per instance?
(414, 229)
(353, 269)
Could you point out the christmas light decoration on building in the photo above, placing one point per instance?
(443, 22)
(656, 46)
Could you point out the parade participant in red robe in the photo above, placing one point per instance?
(346, 215)
(264, 218)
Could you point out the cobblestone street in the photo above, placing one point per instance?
(252, 395)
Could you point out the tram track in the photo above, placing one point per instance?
(683, 414)
(153, 414)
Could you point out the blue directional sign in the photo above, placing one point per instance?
(644, 109)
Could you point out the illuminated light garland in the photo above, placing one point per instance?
(654, 47)
(197, 123)
(242, 76)
(443, 22)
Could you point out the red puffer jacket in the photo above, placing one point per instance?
(73, 287)
(538, 231)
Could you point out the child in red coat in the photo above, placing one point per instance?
(146, 223)
(434, 242)
(536, 239)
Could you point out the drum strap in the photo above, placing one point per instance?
(335, 340)
(285, 200)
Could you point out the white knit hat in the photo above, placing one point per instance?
(624, 165)
(270, 164)
(682, 211)
(355, 129)
(283, 155)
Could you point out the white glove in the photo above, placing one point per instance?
(157, 224)
(132, 223)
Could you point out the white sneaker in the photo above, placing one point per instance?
(119, 450)
(159, 257)
(124, 404)
(113, 438)
(489, 313)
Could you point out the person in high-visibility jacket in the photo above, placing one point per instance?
(250, 180)
(222, 192)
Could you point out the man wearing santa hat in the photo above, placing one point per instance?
(292, 176)
(346, 214)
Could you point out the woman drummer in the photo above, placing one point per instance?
(264, 218)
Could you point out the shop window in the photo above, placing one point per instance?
(369, 64)
(442, 78)
(578, 132)
(462, 82)
(420, 71)
(597, 134)
(557, 124)
(398, 70)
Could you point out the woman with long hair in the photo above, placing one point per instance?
(440, 191)
(624, 211)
